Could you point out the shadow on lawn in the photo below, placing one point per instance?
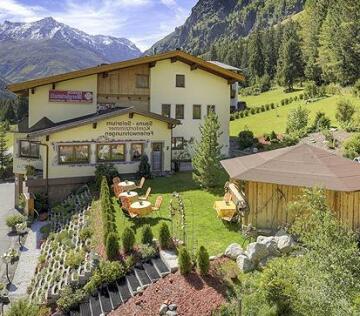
(137, 223)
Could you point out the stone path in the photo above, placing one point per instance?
(28, 260)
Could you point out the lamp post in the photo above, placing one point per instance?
(6, 258)
(21, 230)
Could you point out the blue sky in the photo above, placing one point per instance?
(142, 21)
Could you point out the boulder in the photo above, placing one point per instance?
(172, 307)
(244, 263)
(256, 251)
(163, 309)
(270, 243)
(233, 251)
(285, 243)
(281, 232)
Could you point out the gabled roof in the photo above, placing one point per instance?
(93, 118)
(301, 165)
(223, 65)
(174, 55)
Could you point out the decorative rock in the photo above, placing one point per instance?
(281, 232)
(244, 263)
(172, 307)
(256, 251)
(171, 313)
(163, 309)
(233, 251)
(270, 243)
(285, 243)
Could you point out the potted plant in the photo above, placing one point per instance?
(13, 220)
(30, 171)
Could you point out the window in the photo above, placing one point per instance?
(111, 152)
(166, 110)
(29, 149)
(74, 154)
(179, 111)
(137, 151)
(180, 81)
(197, 112)
(210, 108)
(142, 81)
(177, 143)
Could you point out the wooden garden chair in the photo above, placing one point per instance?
(146, 196)
(141, 183)
(158, 203)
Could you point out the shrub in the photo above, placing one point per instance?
(272, 105)
(332, 89)
(147, 235)
(351, 147)
(74, 258)
(232, 117)
(330, 139)
(85, 233)
(311, 90)
(45, 230)
(128, 239)
(185, 264)
(282, 102)
(129, 262)
(203, 262)
(246, 139)
(297, 120)
(287, 101)
(70, 299)
(23, 307)
(13, 220)
(112, 246)
(110, 271)
(267, 107)
(253, 110)
(301, 96)
(344, 113)
(144, 167)
(321, 122)
(262, 108)
(246, 112)
(146, 252)
(264, 83)
(164, 236)
(356, 89)
(106, 170)
(242, 114)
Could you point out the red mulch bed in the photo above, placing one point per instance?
(193, 295)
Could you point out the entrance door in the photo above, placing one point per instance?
(157, 156)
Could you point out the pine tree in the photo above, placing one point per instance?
(206, 161)
(290, 65)
(256, 56)
(4, 155)
(270, 53)
(213, 53)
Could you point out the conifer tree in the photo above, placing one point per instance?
(290, 65)
(270, 53)
(213, 53)
(4, 155)
(256, 57)
(206, 161)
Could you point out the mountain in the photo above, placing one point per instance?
(212, 20)
(46, 47)
(5, 94)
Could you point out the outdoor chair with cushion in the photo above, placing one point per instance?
(141, 183)
(116, 180)
(227, 197)
(158, 203)
(146, 196)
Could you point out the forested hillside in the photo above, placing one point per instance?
(214, 20)
(270, 40)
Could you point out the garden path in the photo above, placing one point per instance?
(28, 261)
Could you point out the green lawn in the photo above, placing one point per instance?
(276, 119)
(203, 226)
(275, 95)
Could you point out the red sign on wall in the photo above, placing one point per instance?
(70, 96)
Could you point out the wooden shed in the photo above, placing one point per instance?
(272, 179)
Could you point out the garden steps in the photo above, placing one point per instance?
(112, 296)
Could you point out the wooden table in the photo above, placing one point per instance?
(141, 208)
(225, 210)
(132, 196)
(127, 185)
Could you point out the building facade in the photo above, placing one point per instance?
(116, 113)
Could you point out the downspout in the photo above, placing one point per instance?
(46, 168)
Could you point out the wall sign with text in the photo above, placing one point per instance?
(70, 96)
